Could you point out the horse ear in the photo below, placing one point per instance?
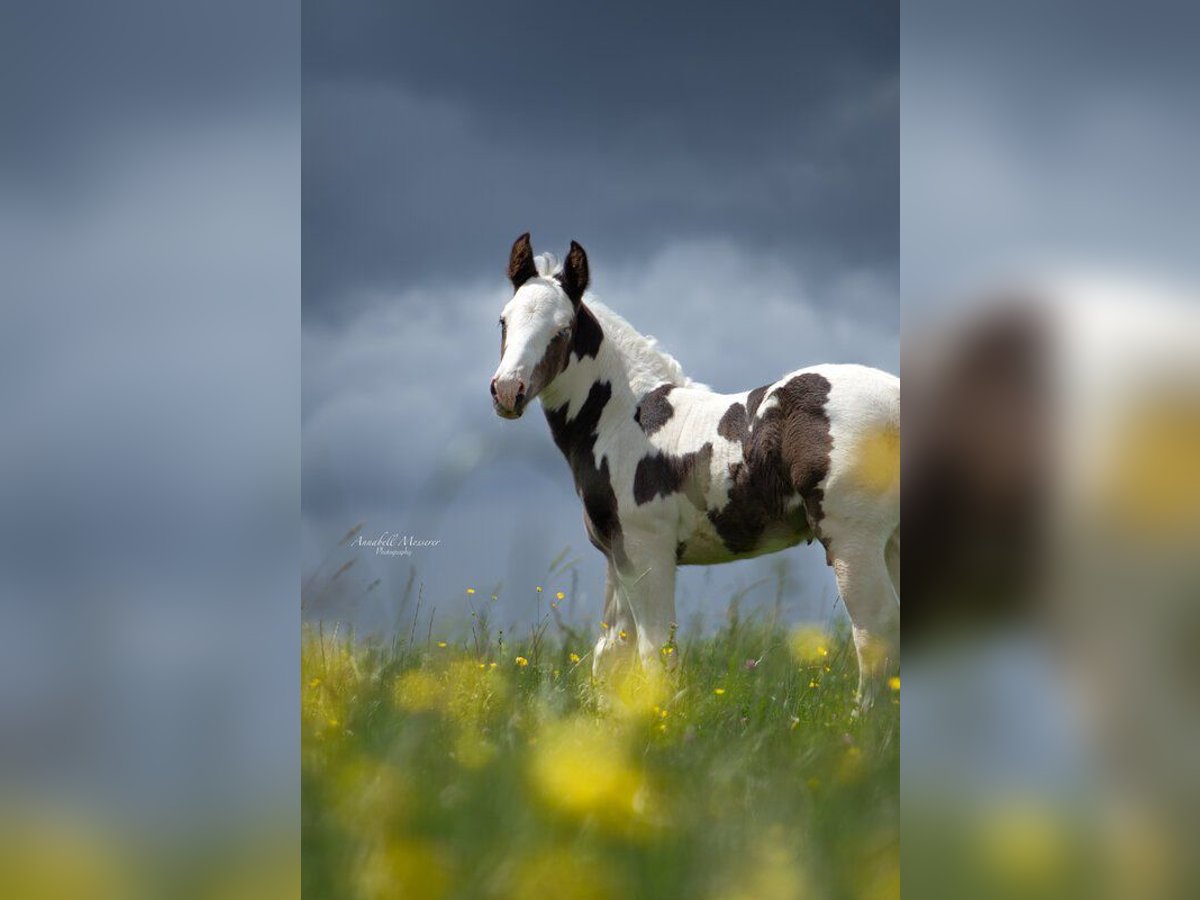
(575, 273)
(520, 262)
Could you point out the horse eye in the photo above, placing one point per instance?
(501, 322)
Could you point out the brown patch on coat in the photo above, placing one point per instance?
(576, 438)
(520, 262)
(662, 474)
(734, 424)
(754, 400)
(655, 410)
(785, 455)
(553, 361)
(588, 334)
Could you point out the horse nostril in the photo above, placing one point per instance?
(520, 393)
(493, 387)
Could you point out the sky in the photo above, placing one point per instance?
(149, 372)
(732, 175)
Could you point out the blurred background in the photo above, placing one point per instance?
(1051, 339)
(151, 348)
(149, 464)
(733, 177)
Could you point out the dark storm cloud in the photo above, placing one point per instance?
(434, 135)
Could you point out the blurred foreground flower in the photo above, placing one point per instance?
(404, 868)
(581, 766)
(809, 645)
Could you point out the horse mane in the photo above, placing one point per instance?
(646, 363)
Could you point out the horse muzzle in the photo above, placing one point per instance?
(508, 397)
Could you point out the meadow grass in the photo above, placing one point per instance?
(485, 768)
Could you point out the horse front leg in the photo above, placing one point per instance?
(647, 581)
(614, 651)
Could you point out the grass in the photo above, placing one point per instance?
(482, 768)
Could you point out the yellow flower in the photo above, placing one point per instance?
(719, 691)
(809, 645)
(582, 767)
(560, 596)
(623, 635)
(470, 590)
(522, 661)
(442, 644)
(894, 682)
(812, 684)
(539, 588)
(574, 657)
(492, 665)
(604, 625)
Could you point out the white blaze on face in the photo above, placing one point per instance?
(538, 312)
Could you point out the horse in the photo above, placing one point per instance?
(673, 473)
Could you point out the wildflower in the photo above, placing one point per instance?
(539, 588)
(719, 691)
(560, 596)
(894, 682)
(582, 768)
(809, 645)
(667, 650)
(482, 666)
(522, 662)
(442, 644)
(604, 625)
(470, 590)
(495, 596)
(623, 635)
(573, 658)
(492, 665)
(812, 684)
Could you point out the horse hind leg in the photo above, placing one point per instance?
(864, 581)
(892, 557)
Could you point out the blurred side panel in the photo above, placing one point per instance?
(149, 347)
(1051, 364)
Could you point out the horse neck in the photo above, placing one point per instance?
(578, 381)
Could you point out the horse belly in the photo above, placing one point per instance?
(703, 546)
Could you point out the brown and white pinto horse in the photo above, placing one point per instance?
(672, 473)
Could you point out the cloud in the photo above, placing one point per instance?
(423, 156)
